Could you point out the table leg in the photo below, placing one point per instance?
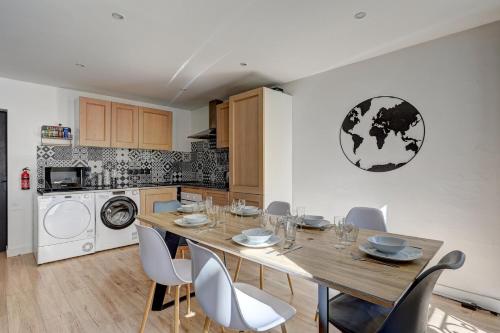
(172, 241)
(323, 298)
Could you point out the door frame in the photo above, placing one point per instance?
(7, 178)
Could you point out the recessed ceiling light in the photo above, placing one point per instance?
(117, 16)
(80, 65)
(184, 89)
(243, 64)
(360, 15)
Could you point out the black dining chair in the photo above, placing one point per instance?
(410, 315)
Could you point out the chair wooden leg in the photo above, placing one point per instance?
(261, 277)
(222, 329)
(283, 328)
(176, 309)
(169, 290)
(149, 301)
(290, 282)
(182, 254)
(206, 326)
(189, 313)
(237, 272)
(316, 316)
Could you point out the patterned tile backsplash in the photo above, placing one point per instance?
(136, 166)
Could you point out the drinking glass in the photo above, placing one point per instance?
(240, 205)
(351, 233)
(212, 212)
(339, 226)
(290, 226)
(208, 202)
(299, 212)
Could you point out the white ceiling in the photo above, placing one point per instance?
(165, 46)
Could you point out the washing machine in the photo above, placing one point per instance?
(64, 226)
(115, 217)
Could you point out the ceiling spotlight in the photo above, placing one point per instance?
(360, 15)
(117, 16)
(80, 65)
(243, 64)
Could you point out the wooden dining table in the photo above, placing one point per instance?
(346, 270)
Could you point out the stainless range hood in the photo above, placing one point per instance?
(211, 132)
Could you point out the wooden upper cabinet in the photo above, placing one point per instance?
(95, 122)
(124, 126)
(246, 125)
(155, 129)
(223, 125)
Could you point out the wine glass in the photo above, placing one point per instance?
(240, 205)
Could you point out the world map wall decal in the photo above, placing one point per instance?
(382, 134)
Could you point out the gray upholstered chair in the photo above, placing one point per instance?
(162, 269)
(366, 218)
(353, 315)
(238, 306)
(278, 208)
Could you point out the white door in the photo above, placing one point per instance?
(67, 219)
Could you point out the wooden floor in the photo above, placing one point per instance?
(106, 292)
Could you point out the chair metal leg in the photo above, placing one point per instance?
(261, 277)
(237, 272)
(149, 301)
(290, 282)
(176, 309)
(283, 328)
(206, 326)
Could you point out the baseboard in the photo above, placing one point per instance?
(17, 251)
(486, 302)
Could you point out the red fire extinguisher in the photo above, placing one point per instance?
(25, 179)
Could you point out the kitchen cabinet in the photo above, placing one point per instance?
(155, 129)
(246, 129)
(219, 197)
(94, 122)
(260, 145)
(250, 199)
(124, 126)
(222, 125)
(150, 196)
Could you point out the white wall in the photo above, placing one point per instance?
(30, 106)
(451, 189)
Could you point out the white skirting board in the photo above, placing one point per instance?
(17, 251)
(485, 302)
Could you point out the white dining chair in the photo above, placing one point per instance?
(367, 218)
(162, 269)
(278, 208)
(238, 306)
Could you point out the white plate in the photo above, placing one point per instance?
(242, 240)
(182, 223)
(188, 210)
(322, 224)
(407, 254)
(245, 214)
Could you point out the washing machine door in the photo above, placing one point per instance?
(67, 219)
(118, 212)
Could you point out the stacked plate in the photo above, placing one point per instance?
(314, 221)
(190, 208)
(256, 237)
(193, 220)
(390, 248)
(247, 211)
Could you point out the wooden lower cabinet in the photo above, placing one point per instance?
(219, 197)
(250, 199)
(150, 196)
